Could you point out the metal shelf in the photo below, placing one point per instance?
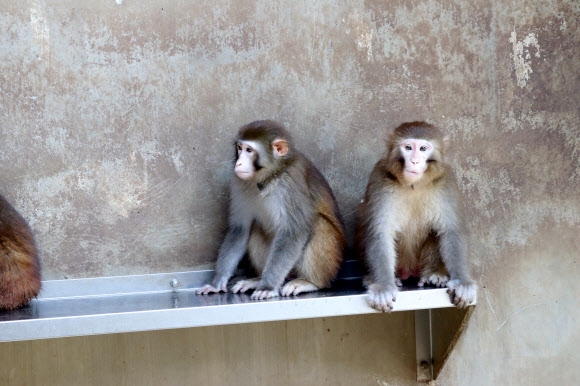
(121, 304)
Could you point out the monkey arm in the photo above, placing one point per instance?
(379, 231)
(381, 257)
(450, 230)
(454, 254)
(231, 252)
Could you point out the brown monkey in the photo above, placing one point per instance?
(19, 266)
(410, 219)
(283, 213)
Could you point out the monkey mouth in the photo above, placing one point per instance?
(412, 176)
(243, 175)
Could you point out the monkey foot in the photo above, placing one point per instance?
(381, 297)
(210, 289)
(264, 294)
(297, 286)
(436, 279)
(463, 294)
(245, 285)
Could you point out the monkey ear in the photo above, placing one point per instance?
(280, 147)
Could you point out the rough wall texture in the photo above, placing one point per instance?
(116, 122)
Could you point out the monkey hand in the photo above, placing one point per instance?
(262, 294)
(220, 286)
(382, 296)
(464, 294)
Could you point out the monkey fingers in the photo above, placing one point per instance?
(245, 285)
(298, 286)
(381, 297)
(264, 294)
(209, 289)
(463, 294)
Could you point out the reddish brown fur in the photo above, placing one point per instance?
(323, 255)
(19, 265)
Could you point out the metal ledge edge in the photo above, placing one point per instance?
(107, 305)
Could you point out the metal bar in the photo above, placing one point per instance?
(423, 345)
(165, 301)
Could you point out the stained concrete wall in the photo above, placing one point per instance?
(116, 122)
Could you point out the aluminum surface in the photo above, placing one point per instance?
(165, 301)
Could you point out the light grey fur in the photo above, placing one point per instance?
(281, 210)
(400, 222)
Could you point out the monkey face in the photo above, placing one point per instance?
(416, 153)
(247, 157)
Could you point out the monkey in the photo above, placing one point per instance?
(410, 221)
(19, 264)
(283, 214)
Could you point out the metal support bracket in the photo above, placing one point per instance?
(436, 333)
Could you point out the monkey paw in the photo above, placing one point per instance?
(436, 279)
(210, 289)
(298, 286)
(381, 297)
(245, 285)
(463, 294)
(264, 294)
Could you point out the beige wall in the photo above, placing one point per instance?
(116, 122)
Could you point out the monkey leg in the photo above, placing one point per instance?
(259, 244)
(321, 260)
(433, 271)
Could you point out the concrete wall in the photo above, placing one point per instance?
(116, 122)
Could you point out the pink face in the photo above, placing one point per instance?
(416, 153)
(245, 163)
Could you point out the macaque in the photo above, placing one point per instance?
(283, 214)
(410, 220)
(19, 266)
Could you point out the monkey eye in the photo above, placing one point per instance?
(249, 150)
(408, 147)
(423, 148)
(239, 147)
